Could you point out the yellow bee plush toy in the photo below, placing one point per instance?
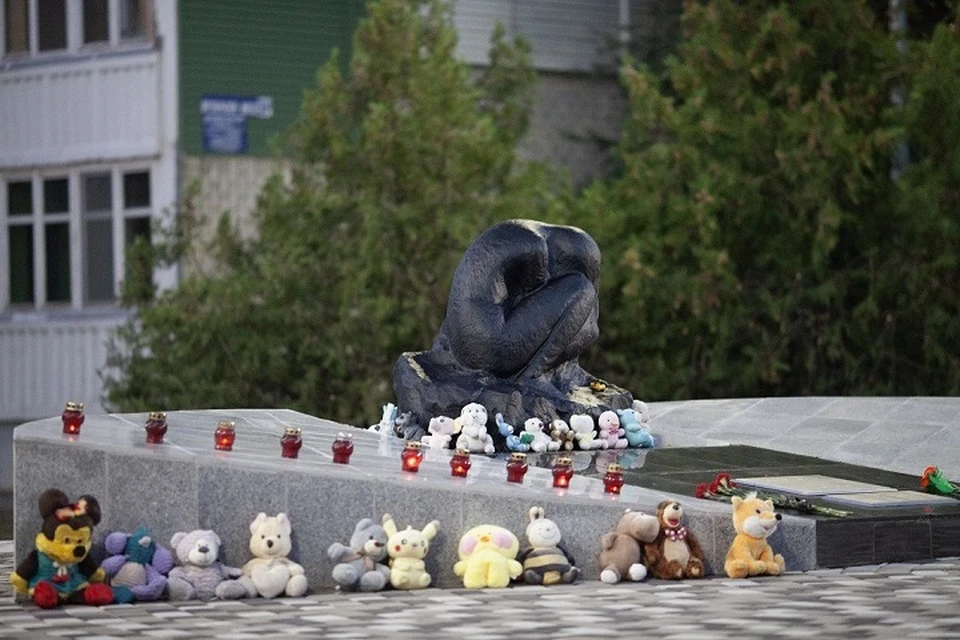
(60, 569)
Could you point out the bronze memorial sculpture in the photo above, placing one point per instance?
(523, 306)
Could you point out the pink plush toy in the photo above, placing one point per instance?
(611, 435)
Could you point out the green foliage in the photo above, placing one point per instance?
(398, 163)
(755, 243)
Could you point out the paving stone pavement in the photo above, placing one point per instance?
(885, 601)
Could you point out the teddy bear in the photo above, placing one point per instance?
(407, 549)
(750, 554)
(561, 432)
(487, 557)
(473, 429)
(405, 426)
(442, 430)
(360, 566)
(513, 441)
(60, 569)
(632, 424)
(200, 575)
(546, 561)
(137, 566)
(675, 553)
(586, 436)
(271, 573)
(534, 435)
(611, 435)
(620, 550)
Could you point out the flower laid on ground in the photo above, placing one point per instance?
(723, 488)
(934, 481)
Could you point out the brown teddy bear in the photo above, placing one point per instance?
(675, 553)
(620, 549)
(751, 554)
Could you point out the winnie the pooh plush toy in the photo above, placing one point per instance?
(620, 550)
(675, 553)
(271, 573)
(751, 554)
(488, 557)
(60, 569)
(137, 566)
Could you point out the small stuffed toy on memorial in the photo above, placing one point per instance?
(487, 557)
(534, 434)
(584, 432)
(546, 561)
(442, 429)
(513, 441)
(271, 573)
(407, 549)
(750, 554)
(561, 433)
(361, 566)
(612, 436)
(633, 427)
(621, 550)
(473, 429)
(200, 574)
(137, 566)
(675, 553)
(60, 570)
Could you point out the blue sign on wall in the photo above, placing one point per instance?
(225, 120)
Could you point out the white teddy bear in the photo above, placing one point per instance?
(441, 430)
(473, 429)
(270, 573)
(540, 441)
(582, 425)
(611, 435)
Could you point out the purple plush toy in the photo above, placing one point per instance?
(137, 567)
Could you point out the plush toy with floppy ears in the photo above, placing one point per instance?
(60, 569)
(137, 566)
(546, 561)
(675, 553)
(407, 549)
(751, 554)
(620, 550)
(271, 573)
(487, 557)
(361, 566)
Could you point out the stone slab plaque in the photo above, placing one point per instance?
(889, 499)
(811, 485)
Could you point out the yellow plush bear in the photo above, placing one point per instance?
(750, 554)
(488, 557)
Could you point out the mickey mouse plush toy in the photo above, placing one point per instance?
(60, 569)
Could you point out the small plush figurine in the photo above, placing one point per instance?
(201, 576)
(60, 569)
(137, 566)
(751, 554)
(513, 441)
(611, 435)
(546, 561)
(405, 426)
(561, 433)
(473, 429)
(620, 550)
(271, 573)
(538, 440)
(675, 553)
(360, 567)
(442, 430)
(407, 549)
(487, 557)
(585, 434)
(637, 436)
(387, 420)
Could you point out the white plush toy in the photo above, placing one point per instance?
(611, 435)
(407, 549)
(442, 430)
(540, 442)
(270, 573)
(586, 435)
(473, 429)
(385, 426)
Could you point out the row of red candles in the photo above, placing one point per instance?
(342, 448)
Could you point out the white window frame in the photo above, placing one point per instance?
(75, 44)
(118, 216)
